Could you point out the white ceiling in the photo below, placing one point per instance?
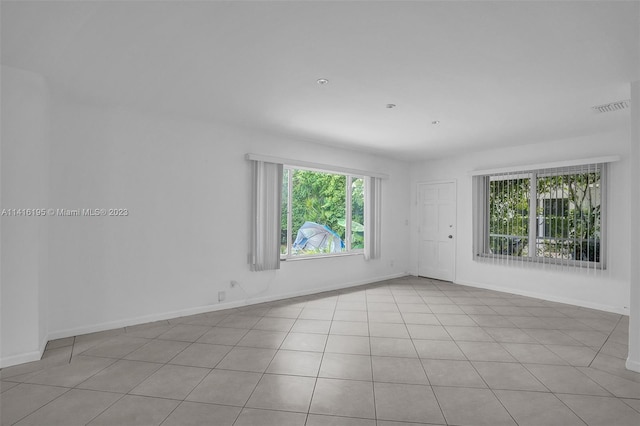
(493, 73)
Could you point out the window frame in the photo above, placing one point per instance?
(481, 213)
(348, 251)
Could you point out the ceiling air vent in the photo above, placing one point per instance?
(613, 106)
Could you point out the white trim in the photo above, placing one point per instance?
(544, 296)
(348, 214)
(210, 308)
(26, 357)
(43, 345)
(12, 360)
(314, 166)
(348, 251)
(438, 182)
(556, 164)
(372, 218)
(356, 252)
(632, 365)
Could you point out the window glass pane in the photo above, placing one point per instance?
(284, 213)
(509, 216)
(357, 213)
(318, 204)
(564, 224)
(568, 216)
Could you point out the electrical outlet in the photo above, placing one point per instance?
(221, 296)
(234, 283)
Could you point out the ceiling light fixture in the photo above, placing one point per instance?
(391, 106)
(322, 81)
(434, 122)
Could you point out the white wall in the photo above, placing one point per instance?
(186, 186)
(607, 291)
(633, 361)
(24, 185)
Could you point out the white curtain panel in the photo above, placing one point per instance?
(266, 209)
(372, 220)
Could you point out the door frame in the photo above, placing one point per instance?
(455, 225)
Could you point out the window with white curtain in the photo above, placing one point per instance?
(307, 210)
(322, 213)
(548, 215)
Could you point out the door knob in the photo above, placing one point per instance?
(450, 236)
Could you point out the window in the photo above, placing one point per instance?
(307, 210)
(548, 215)
(322, 213)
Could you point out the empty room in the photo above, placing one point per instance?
(313, 213)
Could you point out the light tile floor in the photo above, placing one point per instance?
(400, 352)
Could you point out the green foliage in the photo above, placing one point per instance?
(574, 226)
(580, 217)
(509, 216)
(318, 197)
(568, 209)
(321, 198)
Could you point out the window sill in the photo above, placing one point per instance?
(542, 261)
(322, 256)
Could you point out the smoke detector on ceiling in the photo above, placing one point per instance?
(613, 106)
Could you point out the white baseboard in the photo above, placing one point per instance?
(256, 300)
(209, 308)
(633, 365)
(43, 345)
(8, 361)
(551, 298)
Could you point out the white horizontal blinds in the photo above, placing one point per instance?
(266, 208)
(550, 216)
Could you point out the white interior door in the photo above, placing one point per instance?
(437, 230)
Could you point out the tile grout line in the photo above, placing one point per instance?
(106, 408)
(244, 406)
(607, 339)
(207, 375)
(373, 383)
(128, 393)
(337, 294)
(43, 405)
(422, 364)
(315, 384)
(432, 390)
(211, 369)
(493, 390)
(569, 408)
